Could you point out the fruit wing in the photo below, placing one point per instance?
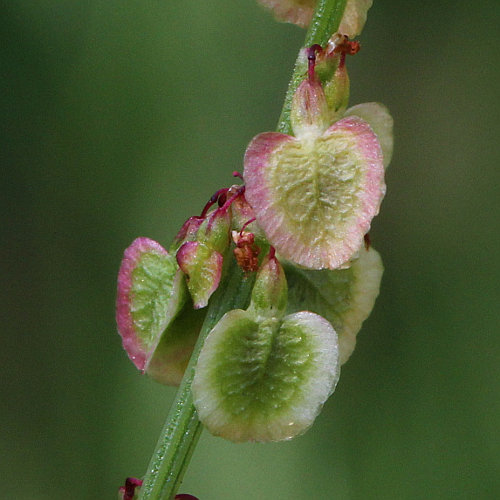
(151, 291)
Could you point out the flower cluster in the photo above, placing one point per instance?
(298, 227)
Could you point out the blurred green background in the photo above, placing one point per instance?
(119, 119)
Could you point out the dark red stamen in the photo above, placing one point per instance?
(238, 193)
(222, 199)
(272, 253)
(367, 241)
(225, 206)
(213, 199)
(237, 174)
(131, 483)
(247, 223)
(342, 60)
(311, 59)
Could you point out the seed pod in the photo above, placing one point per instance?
(154, 313)
(265, 380)
(345, 297)
(151, 292)
(314, 196)
(261, 376)
(381, 122)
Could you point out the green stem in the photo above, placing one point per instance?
(182, 427)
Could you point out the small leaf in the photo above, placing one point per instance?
(151, 292)
(315, 198)
(241, 213)
(267, 380)
(345, 297)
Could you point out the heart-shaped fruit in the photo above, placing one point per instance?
(381, 122)
(261, 376)
(265, 380)
(151, 291)
(345, 297)
(315, 195)
(171, 356)
(154, 313)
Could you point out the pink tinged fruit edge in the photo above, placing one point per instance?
(374, 188)
(256, 161)
(189, 229)
(259, 195)
(186, 255)
(299, 13)
(124, 298)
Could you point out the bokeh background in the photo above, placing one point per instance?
(119, 119)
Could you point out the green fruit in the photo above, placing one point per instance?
(345, 297)
(265, 381)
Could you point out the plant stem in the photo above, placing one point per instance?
(182, 427)
(324, 24)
